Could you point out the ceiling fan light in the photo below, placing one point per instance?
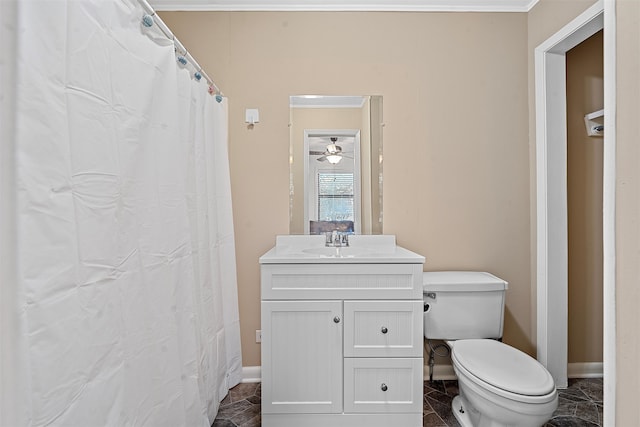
(334, 159)
(332, 148)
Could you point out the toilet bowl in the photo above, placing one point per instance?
(499, 385)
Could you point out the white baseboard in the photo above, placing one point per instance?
(574, 370)
(253, 374)
(440, 372)
(585, 370)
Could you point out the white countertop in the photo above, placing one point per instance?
(362, 249)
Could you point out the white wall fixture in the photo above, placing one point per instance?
(252, 116)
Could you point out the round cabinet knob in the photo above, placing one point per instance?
(384, 330)
(336, 319)
(383, 387)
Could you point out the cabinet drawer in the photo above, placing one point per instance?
(341, 281)
(383, 385)
(383, 328)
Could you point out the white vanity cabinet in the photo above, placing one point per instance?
(342, 342)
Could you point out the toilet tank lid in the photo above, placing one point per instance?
(461, 281)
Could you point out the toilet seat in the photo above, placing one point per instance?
(503, 370)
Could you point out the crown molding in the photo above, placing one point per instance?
(346, 6)
(326, 101)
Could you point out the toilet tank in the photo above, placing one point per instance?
(462, 305)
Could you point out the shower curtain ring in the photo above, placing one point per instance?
(147, 20)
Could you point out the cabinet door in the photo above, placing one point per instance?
(301, 357)
(383, 328)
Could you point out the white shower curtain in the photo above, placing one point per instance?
(126, 286)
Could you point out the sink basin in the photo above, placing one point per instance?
(338, 252)
(311, 249)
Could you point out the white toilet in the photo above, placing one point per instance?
(499, 385)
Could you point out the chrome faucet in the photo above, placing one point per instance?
(336, 239)
(328, 238)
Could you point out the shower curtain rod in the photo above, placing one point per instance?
(178, 45)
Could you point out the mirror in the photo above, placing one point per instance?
(335, 160)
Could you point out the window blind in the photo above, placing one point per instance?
(335, 196)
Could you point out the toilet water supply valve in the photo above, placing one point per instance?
(431, 295)
(432, 353)
(433, 350)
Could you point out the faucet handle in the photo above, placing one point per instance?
(337, 238)
(328, 238)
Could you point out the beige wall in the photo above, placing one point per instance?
(627, 212)
(585, 94)
(456, 159)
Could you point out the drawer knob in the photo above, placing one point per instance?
(384, 330)
(336, 319)
(383, 387)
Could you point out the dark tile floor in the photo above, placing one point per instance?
(241, 407)
(580, 405)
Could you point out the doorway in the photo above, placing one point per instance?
(551, 219)
(551, 184)
(585, 144)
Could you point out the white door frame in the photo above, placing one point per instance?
(551, 180)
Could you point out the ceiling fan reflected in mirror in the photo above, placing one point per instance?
(332, 154)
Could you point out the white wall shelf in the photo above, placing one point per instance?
(595, 123)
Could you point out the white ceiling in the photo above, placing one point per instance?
(347, 5)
